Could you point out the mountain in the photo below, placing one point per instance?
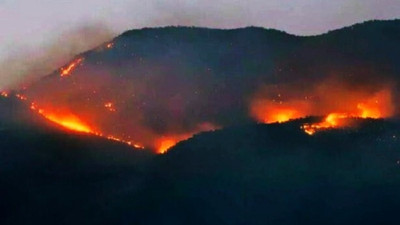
(174, 82)
(213, 90)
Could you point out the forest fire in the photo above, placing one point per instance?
(66, 120)
(333, 120)
(378, 106)
(67, 71)
(72, 122)
(339, 106)
(164, 144)
(69, 121)
(267, 111)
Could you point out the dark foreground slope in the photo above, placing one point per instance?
(276, 174)
(167, 82)
(254, 174)
(48, 175)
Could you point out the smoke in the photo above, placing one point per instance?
(26, 64)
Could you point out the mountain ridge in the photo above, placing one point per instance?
(175, 82)
(146, 29)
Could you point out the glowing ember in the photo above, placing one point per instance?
(21, 97)
(4, 94)
(110, 107)
(33, 106)
(67, 71)
(110, 45)
(139, 146)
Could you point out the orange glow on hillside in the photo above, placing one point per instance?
(378, 106)
(281, 115)
(332, 98)
(164, 144)
(67, 71)
(72, 122)
(110, 45)
(267, 111)
(68, 121)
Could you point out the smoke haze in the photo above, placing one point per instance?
(24, 65)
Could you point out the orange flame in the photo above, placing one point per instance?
(164, 144)
(267, 111)
(72, 122)
(68, 121)
(331, 97)
(67, 71)
(333, 120)
(379, 106)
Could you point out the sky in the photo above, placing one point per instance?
(31, 24)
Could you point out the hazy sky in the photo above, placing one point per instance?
(27, 23)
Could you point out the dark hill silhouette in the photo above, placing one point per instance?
(276, 174)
